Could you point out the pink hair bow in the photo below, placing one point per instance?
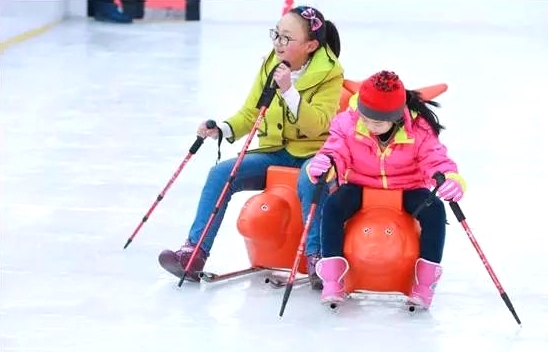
(315, 22)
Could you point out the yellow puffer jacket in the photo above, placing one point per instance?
(302, 135)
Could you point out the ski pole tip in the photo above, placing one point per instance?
(182, 279)
(127, 243)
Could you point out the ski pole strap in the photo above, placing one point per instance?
(212, 124)
(318, 188)
(219, 141)
(440, 179)
(269, 89)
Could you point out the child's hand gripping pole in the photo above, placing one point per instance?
(193, 149)
(318, 189)
(440, 178)
(267, 95)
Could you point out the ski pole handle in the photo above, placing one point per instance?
(200, 140)
(455, 207)
(439, 178)
(269, 90)
(210, 124)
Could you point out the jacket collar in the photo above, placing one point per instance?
(404, 134)
(323, 66)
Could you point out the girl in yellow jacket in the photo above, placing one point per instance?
(295, 126)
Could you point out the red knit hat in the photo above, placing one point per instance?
(382, 97)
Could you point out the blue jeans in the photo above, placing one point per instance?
(251, 176)
(347, 200)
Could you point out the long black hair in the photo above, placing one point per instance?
(416, 103)
(326, 34)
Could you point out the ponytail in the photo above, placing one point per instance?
(332, 39)
(416, 103)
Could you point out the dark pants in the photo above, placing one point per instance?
(342, 204)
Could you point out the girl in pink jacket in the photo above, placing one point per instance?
(390, 140)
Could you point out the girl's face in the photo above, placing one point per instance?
(291, 40)
(376, 127)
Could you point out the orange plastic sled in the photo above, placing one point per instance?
(271, 221)
(381, 240)
(381, 244)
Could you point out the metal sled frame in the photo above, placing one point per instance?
(276, 281)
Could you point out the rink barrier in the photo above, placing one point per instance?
(166, 10)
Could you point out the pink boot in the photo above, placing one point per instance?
(332, 270)
(427, 274)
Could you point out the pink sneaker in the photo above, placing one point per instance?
(332, 270)
(427, 274)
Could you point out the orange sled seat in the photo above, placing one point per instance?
(349, 88)
(271, 221)
(381, 244)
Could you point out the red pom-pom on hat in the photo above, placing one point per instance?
(382, 97)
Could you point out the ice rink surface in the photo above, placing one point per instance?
(95, 118)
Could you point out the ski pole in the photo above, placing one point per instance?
(193, 149)
(431, 196)
(318, 188)
(267, 95)
(455, 207)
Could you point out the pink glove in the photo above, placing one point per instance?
(318, 165)
(450, 190)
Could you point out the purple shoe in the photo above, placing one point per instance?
(315, 281)
(175, 262)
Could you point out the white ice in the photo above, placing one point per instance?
(95, 118)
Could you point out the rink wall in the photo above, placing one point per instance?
(491, 12)
(21, 19)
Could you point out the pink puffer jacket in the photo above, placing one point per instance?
(408, 162)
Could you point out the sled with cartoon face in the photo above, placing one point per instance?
(381, 240)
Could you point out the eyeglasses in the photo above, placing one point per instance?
(282, 39)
